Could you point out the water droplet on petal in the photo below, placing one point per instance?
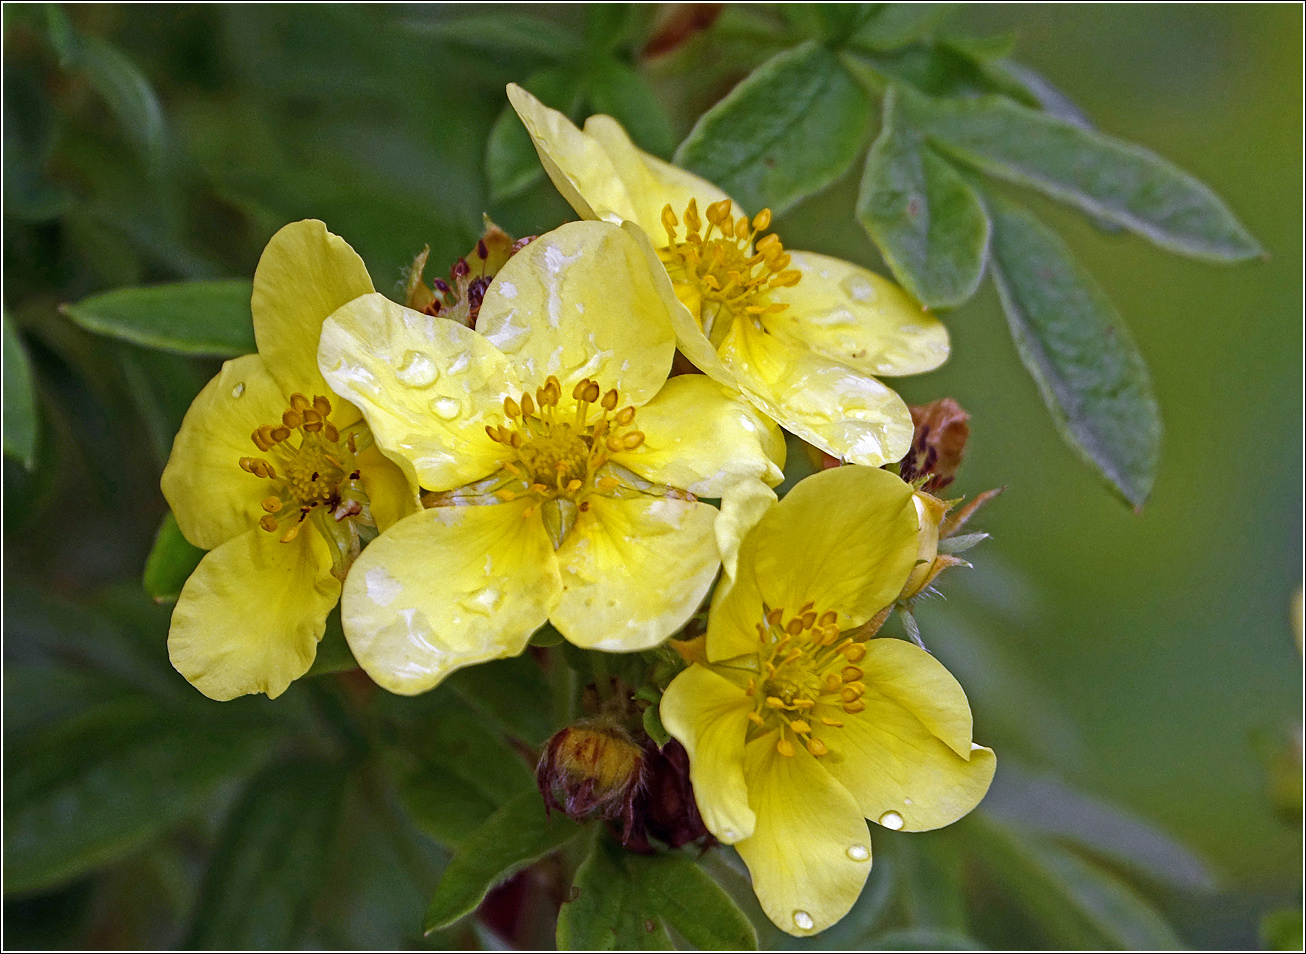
(859, 853)
(447, 408)
(417, 370)
(238, 390)
(892, 821)
(729, 836)
(803, 920)
(907, 801)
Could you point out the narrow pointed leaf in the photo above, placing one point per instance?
(788, 130)
(208, 317)
(923, 216)
(271, 861)
(517, 834)
(1076, 347)
(1105, 177)
(20, 412)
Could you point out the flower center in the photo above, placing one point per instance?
(318, 478)
(559, 456)
(806, 662)
(720, 273)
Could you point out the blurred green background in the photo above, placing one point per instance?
(1144, 658)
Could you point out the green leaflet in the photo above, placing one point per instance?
(896, 24)
(506, 35)
(1077, 349)
(758, 144)
(514, 836)
(162, 386)
(170, 563)
(1105, 177)
(1079, 904)
(207, 317)
(20, 411)
(512, 693)
(100, 784)
(926, 220)
(624, 94)
(625, 901)
(271, 860)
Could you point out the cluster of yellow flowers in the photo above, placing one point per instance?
(466, 485)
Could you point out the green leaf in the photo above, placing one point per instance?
(1078, 351)
(20, 412)
(518, 834)
(170, 563)
(606, 912)
(625, 901)
(625, 95)
(1079, 904)
(102, 783)
(757, 143)
(512, 164)
(926, 220)
(209, 317)
(271, 861)
(162, 386)
(1105, 177)
(118, 80)
(930, 874)
(689, 902)
(502, 34)
(466, 773)
(333, 652)
(512, 693)
(896, 24)
(652, 720)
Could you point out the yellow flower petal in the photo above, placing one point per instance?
(446, 588)
(390, 494)
(845, 539)
(427, 387)
(212, 498)
(742, 506)
(704, 438)
(859, 318)
(708, 715)
(810, 852)
(250, 616)
(837, 408)
(909, 754)
(587, 300)
(304, 274)
(634, 571)
(650, 183)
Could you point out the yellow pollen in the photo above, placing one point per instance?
(727, 268)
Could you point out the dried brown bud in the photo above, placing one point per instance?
(938, 444)
(590, 769)
(664, 806)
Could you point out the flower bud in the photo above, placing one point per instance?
(930, 511)
(590, 769)
(939, 440)
(664, 807)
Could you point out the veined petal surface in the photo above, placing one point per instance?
(634, 570)
(427, 386)
(708, 715)
(587, 300)
(446, 588)
(304, 274)
(810, 851)
(250, 617)
(213, 499)
(861, 319)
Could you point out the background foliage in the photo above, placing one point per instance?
(1141, 661)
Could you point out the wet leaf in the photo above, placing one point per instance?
(757, 143)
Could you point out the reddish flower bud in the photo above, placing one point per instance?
(590, 769)
(937, 445)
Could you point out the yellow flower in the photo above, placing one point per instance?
(799, 728)
(801, 335)
(276, 477)
(562, 468)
